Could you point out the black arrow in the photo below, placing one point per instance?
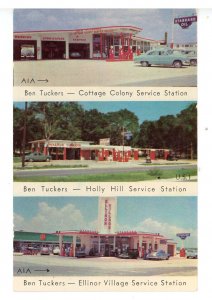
(46, 80)
(47, 270)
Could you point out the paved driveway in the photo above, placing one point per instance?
(101, 73)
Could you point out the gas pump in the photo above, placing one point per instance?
(130, 56)
(111, 53)
(121, 52)
(138, 51)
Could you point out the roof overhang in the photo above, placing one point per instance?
(107, 29)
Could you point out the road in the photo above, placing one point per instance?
(90, 171)
(100, 74)
(102, 266)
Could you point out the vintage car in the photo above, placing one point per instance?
(45, 250)
(191, 254)
(130, 254)
(56, 250)
(158, 255)
(37, 156)
(163, 57)
(191, 55)
(80, 253)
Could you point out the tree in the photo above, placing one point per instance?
(33, 128)
(122, 121)
(60, 120)
(95, 126)
(178, 133)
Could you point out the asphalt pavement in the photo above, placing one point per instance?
(101, 73)
(101, 266)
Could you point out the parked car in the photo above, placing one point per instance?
(191, 254)
(75, 55)
(172, 157)
(56, 250)
(191, 55)
(37, 156)
(130, 254)
(158, 255)
(162, 56)
(80, 253)
(45, 250)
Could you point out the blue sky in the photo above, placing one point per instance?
(154, 22)
(144, 110)
(165, 215)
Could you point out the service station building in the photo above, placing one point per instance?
(103, 242)
(112, 42)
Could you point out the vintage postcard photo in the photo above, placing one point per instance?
(105, 149)
(106, 243)
(105, 141)
(105, 47)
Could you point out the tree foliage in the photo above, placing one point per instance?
(173, 132)
(69, 121)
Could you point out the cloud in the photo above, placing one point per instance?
(51, 218)
(166, 229)
(18, 221)
(155, 22)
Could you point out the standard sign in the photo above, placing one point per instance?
(183, 236)
(185, 22)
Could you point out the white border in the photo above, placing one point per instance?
(205, 70)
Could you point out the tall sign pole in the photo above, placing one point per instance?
(123, 143)
(183, 236)
(172, 40)
(107, 215)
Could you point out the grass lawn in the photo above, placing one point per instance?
(118, 177)
(16, 159)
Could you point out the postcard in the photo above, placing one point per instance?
(105, 150)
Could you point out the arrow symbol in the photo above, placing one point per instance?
(45, 80)
(47, 270)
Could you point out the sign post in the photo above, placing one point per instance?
(183, 236)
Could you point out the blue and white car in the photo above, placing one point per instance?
(158, 255)
(162, 57)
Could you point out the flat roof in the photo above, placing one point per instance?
(86, 30)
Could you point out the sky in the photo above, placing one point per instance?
(165, 215)
(154, 22)
(144, 110)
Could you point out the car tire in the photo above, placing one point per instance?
(144, 63)
(193, 62)
(177, 64)
(48, 160)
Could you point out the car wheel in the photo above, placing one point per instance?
(30, 160)
(144, 64)
(177, 64)
(47, 159)
(193, 62)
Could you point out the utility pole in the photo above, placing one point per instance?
(192, 154)
(123, 143)
(172, 27)
(24, 136)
